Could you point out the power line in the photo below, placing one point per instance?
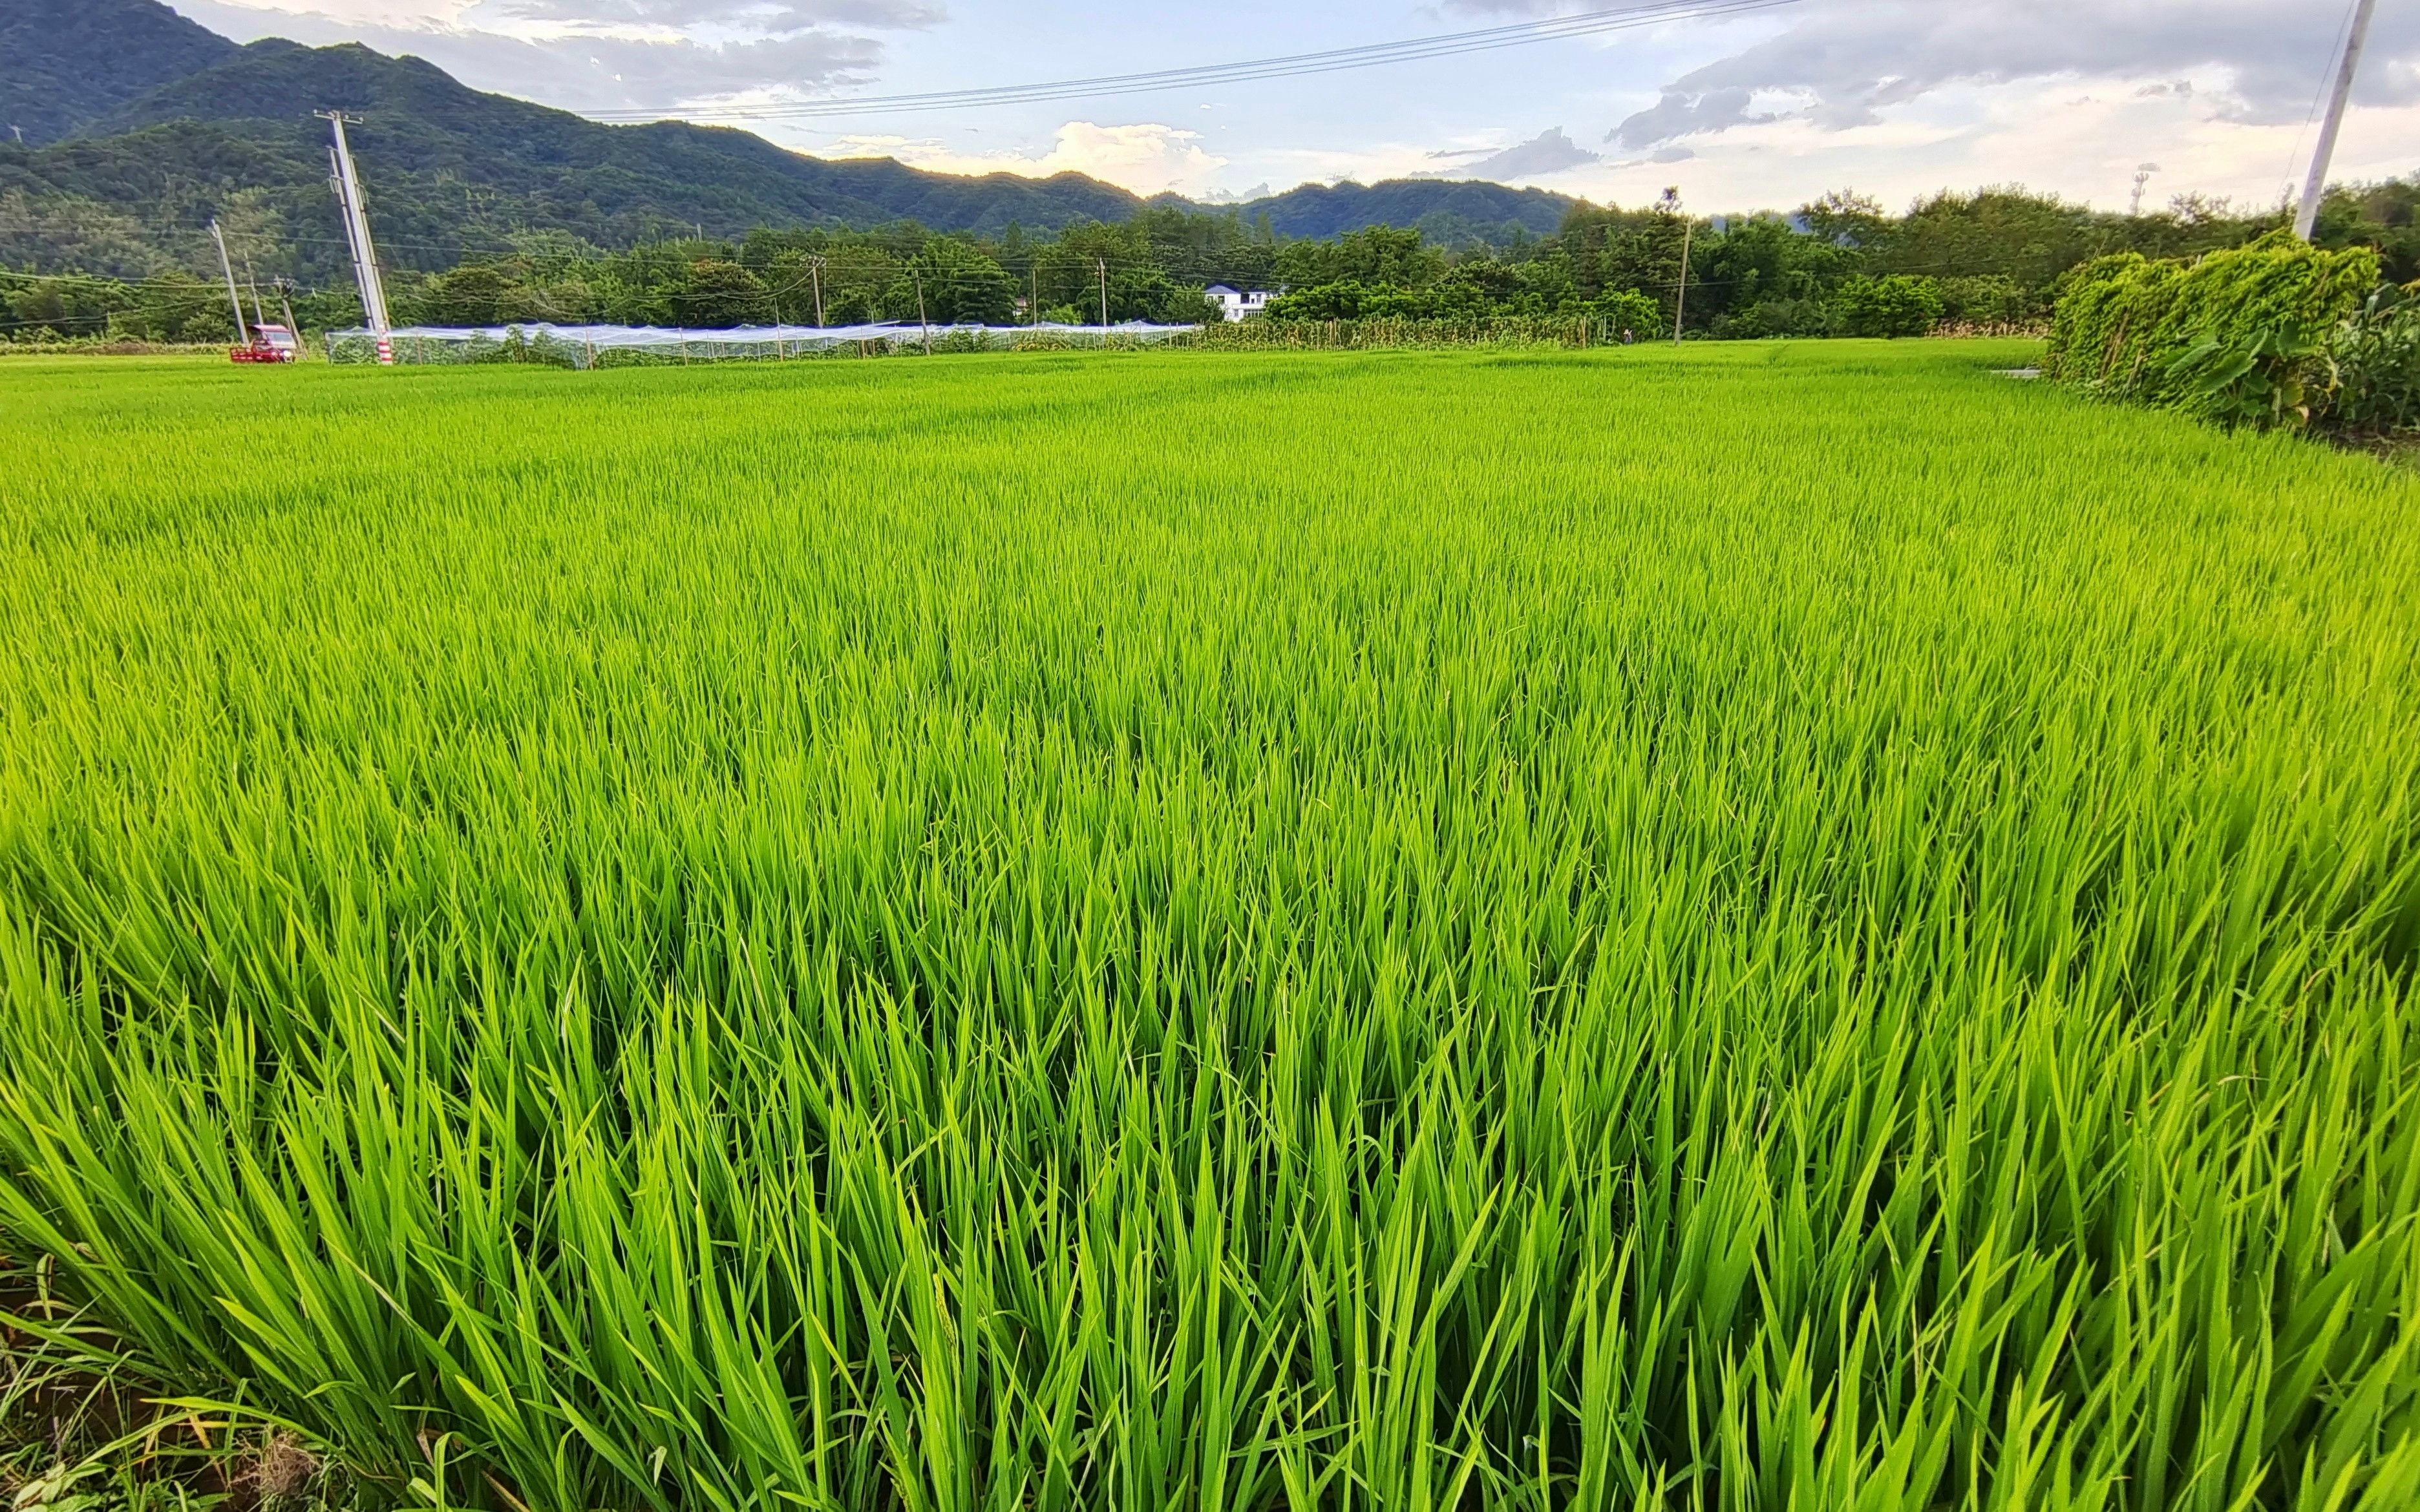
(1449, 44)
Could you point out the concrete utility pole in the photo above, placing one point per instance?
(2142, 176)
(235, 300)
(2308, 216)
(1105, 288)
(815, 266)
(285, 303)
(1680, 296)
(357, 234)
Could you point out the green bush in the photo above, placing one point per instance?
(1991, 301)
(2376, 358)
(1621, 310)
(2240, 338)
(1777, 317)
(1901, 304)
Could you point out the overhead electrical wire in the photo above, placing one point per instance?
(1449, 44)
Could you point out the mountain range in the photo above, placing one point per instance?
(129, 127)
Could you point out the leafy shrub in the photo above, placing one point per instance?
(2238, 337)
(1990, 302)
(1901, 304)
(1628, 310)
(1781, 316)
(2376, 357)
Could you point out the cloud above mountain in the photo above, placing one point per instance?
(1550, 151)
(605, 54)
(1147, 158)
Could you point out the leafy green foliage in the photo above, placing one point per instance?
(2238, 336)
(2376, 362)
(1454, 212)
(1726, 928)
(1895, 304)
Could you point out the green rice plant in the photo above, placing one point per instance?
(1746, 927)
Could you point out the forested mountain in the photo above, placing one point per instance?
(1449, 212)
(66, 63)
(145, 126)
(450, 170)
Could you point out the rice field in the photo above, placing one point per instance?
(1754, 927)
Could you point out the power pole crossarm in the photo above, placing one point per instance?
(2308, 216)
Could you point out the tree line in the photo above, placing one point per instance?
(1838, 265)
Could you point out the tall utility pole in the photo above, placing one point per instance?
(235, 300)
(2142, 176)
(1681, 295)
(1104, 289)
(285, 303)
(815, 266)
(357, 234)
(252, 286)
(2308, 216)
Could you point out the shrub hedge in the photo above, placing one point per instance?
(2272, 333)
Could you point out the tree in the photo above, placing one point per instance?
(962, 285)
(1846, 219)
(1898, 304)
(1380, 255)
(721, 293)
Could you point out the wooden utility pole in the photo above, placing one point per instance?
(2308, 215)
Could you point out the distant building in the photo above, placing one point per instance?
(1238, 302)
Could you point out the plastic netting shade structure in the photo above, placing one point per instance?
(647, 346)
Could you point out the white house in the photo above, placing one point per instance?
(1237, 302)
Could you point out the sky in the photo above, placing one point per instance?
(1762, 108)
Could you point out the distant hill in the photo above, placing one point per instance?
(155, 125)
(1449, 209)
(66, 63)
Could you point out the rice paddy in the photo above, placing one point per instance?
(1760, 927)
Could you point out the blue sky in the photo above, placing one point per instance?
(1767, 109)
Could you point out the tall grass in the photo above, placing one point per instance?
(1744, 928)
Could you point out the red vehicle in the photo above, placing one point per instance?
(268, 343)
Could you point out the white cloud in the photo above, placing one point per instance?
(1548, 152)
(615, 55)
(1847, 61)
(770, 18)
(1147, 158)
(1895, 97)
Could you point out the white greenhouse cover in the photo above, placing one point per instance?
(661, 337)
